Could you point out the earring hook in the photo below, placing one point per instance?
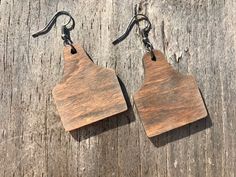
(136, 19)
(65, 31)
(50, 24)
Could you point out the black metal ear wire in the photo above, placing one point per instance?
(134, 21)
(142, 31)
(65, 31)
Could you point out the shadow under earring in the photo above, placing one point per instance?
(167, 99)
(87, 93)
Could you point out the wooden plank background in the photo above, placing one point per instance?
(201, 34)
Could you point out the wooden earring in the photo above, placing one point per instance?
(167, 99)
(87, 93)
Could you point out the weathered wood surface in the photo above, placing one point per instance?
(167, 99)
(87, 93)
(200, 34)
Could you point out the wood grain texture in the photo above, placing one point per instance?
(167, 99)
(87, 93)
(199, 33)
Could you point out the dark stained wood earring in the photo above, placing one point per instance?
(87, 93)
(167, 99)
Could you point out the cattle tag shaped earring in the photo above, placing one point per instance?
(87, 93)
(167, 99)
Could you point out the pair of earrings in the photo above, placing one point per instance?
(89, 93)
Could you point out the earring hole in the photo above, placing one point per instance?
(73, 51)
(154, 58)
